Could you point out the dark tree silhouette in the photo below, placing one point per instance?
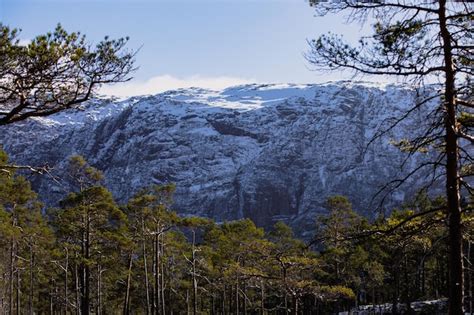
(56, 71)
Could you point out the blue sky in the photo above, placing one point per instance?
(210, 43)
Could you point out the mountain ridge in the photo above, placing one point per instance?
(265, 151)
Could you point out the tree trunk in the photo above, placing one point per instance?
(424, 282)
(188, 306)
(85, 302)
(223, 301)
(230, 299)
(262, 298)
(51, 304)
(469, 277)
(30, 296)
(194, 274)
(99, 289)
(456, 279)
(126, 305)
(78, 300)
(406, 286)
(18, 292)
(295, 305)
(153, 271)
(147, 285)
(237, 302)
(156, 273)
(10, 277)
(244, 294)
(162, 250)
(213, 304)
(397, 293)
(66, 268)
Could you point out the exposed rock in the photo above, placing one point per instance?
(268, 152)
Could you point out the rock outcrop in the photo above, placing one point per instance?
(268, 152)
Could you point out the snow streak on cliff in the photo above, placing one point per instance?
(267, 152)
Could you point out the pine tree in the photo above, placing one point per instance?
(56, 71)
(93, 230)
(26, 244)
(150, 220)
(421, 42)
(334, 232)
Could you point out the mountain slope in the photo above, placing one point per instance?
(267, 152)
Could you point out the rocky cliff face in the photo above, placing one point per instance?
(267, 152)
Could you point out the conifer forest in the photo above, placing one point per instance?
(92, 255)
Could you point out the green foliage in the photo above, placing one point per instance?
(83, 175)
(337, 293)
(466, 119)
(146, 258)
(55, 71)
(418, 42)
(394, 37)
(26, 239)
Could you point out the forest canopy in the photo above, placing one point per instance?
(91, 254)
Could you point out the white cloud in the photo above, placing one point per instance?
(167, 82)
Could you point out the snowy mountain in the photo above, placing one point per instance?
(267, 152)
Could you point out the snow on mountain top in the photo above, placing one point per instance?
(254, 96)
(240, 98)
(93, 110)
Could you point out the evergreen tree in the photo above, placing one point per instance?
(56, 71)
(336, 236)
(26, 246)
(419, 42)
(150, 220)
(92, 230)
